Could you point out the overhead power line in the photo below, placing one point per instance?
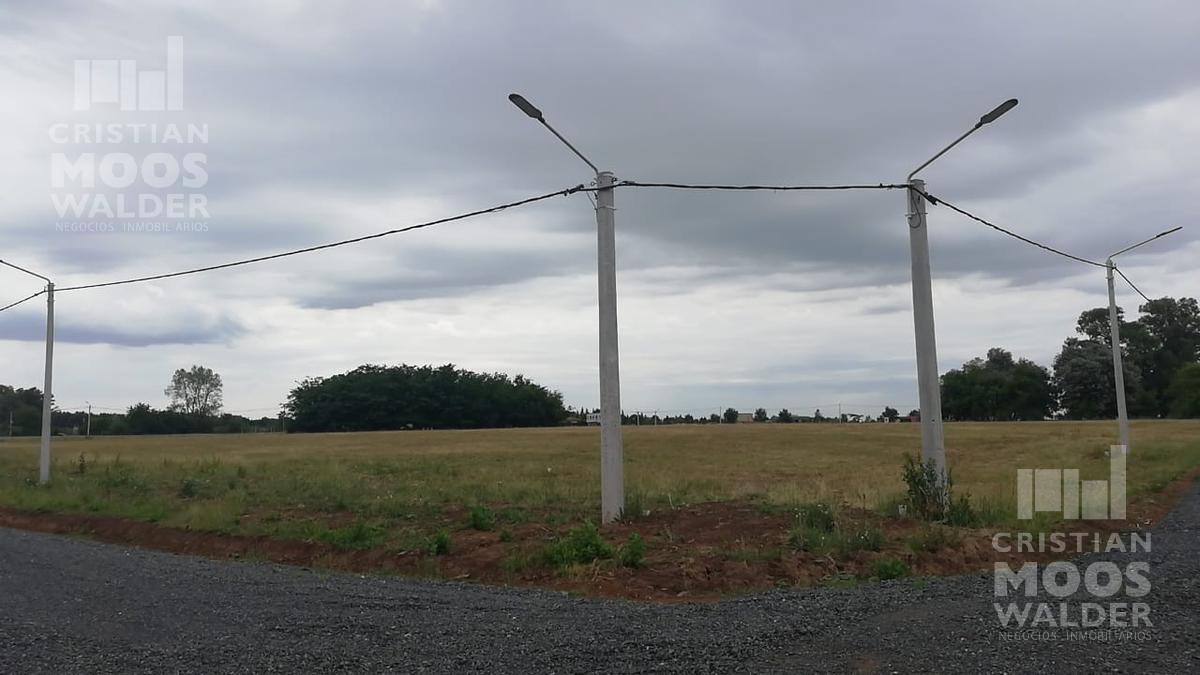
(936, 201)
(11, 305)
(321, 247)
(771, 188)
(1139, 291)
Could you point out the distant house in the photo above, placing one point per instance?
(745, 418)
(593, 418)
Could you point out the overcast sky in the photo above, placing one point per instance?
(326, 122)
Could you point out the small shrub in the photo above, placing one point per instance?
(439, 544)
(816, 515)
(582, 544)
(960, 513)
(928, 497)
(481, 518)
(810, 539)
(635, 508)
(506, 536)
(889, 568)
(81, 465)
(633, 552)
(867, 539)
(189, 488)
(931, 539)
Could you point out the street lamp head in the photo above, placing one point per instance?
(997, 112)
(526, 107)
(986, 119)
(1160, 235)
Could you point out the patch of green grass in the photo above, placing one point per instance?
(580, 545)
(358, 536)
(889, 568)
(636, 507)
(506, 536)
(481, 518)
(633, 552)
(933, 538)
(519, 561)
(960, 513)
(816, 515)
(839, 542)
(439, 543)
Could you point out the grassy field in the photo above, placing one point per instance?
(404, 485)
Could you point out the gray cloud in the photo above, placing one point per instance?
(27, 326)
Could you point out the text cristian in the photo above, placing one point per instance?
(120, 133)
(1070, 542)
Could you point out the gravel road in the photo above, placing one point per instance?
(71, 605)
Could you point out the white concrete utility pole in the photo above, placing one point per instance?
(1118, 367)
(612, 466)
(1114, 322)
(933, 445)
(47, 394)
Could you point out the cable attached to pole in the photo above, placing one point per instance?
(335, 244)
(1139, 291)
(11, 305)
(937, 201)
(770, 188)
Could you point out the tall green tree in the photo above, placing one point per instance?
(730, 416)
(1083, 372)
(1171, 340)
(195, 391)
(1184, 392)
(760, 415)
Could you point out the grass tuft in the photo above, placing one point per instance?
(889, 568)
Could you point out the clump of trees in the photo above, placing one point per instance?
(1161, 358)
(1160, 350)
(997, 387)
(20, 411)
(375, 397)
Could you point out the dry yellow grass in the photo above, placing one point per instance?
(211, 481)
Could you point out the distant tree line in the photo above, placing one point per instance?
(139, 419)
(195, 395)
(374, 397)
